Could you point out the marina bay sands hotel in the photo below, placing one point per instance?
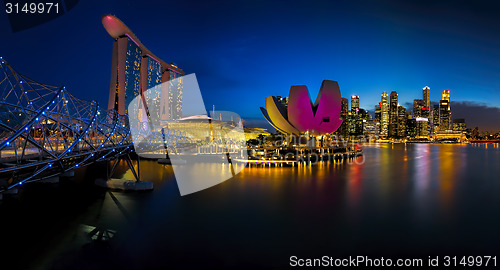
(135, 69)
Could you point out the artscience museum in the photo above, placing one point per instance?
(298, 115)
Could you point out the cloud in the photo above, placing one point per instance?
(477, 115)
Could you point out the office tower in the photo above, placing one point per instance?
(344, 106)
(393, 114)
(446, 96)
(459, 125)
(411, 127)
(371, 128)
(435, 119)
(283, 101)
(354, 103)
(356, 123)
(378, 112)
(421, 116)
(444, 115)
(343, 130)
(134, 70)
(384, 115)
(427, 97)
(422, 127)
(401, 122)
(418, 105)
(364, 114)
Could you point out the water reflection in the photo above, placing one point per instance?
(402, 198)
(427, 175)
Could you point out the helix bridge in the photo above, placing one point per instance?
(45, 131)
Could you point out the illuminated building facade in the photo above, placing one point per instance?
(356, 117)
(418, 105)
(446, 96)
(444, 115)
(393, 114)
(378, 112)
(384, 115)
(459, 125)
(354, 103)
(371, 128)
(421, 117)
(445, 122)
(344, 113)
(355, 123)
(301, 116)
(151, 74)
(283, 101)
(427, 96)
(135, 69)
(411, 128)
(435, 119)
(401, 125)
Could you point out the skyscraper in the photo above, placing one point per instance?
(354, 103)
(418, 105)
(446, 96)
(393, 114)
(344, 103)
(384, 115)
(356, 122)
(401, 122)
(283, 101)
(427, 97)
(371, 128)
(459, 125)
(378, 112)
(411, 127)
(445, 122)
(135, 69)
(174, 92)
(421, 116)
(435, 119)
(344, 110)
(444, 115)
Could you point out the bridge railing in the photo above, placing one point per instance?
(45, 130)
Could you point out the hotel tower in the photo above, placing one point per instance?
(135, 69)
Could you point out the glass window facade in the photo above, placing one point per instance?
(175, 95)
(154, 79)
(132, 72)
(154, 73)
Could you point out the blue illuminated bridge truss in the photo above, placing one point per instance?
(46, 131)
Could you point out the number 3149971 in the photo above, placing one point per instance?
(31, 8)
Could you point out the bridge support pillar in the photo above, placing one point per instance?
(68, 174)
(124, 184)
(12, 191)
(51, 180)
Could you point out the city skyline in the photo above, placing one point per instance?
(368, 47)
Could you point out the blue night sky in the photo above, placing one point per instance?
(243, 51)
